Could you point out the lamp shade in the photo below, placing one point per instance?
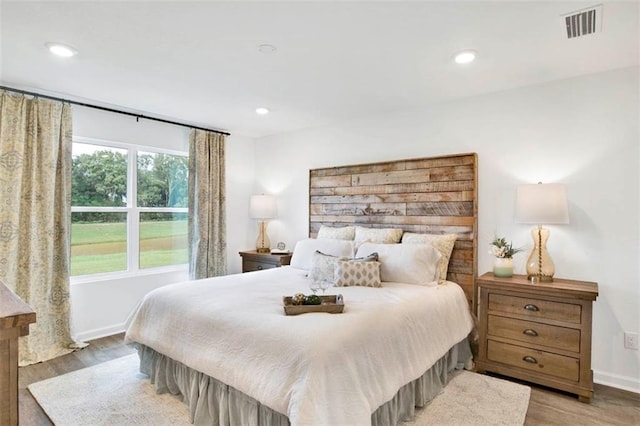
(542, 203)
(262, 207)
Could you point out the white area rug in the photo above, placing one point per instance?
(476, 399)
(115, 393)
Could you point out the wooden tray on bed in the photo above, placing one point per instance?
(332, 304)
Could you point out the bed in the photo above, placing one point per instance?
(226, 346)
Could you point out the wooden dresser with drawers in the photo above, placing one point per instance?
(538, 332)
(254, 261)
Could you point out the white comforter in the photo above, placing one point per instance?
(317, 368)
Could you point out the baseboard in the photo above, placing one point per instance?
(615, 381)
(97, 333)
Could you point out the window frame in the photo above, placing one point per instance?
(133, 213)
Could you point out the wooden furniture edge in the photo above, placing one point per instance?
(261, 257)
(587, 290)
(15, 317)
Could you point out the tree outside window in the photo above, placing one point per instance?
(129, 208)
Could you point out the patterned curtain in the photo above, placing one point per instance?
(207, 212)
(35, 212)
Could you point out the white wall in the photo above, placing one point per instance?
(582, 132)
(101, 307)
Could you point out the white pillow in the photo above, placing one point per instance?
(405, 263)
(304, 250)
(443, 243)
(375, 235)
(343, 233)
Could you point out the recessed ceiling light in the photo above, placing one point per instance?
(267, 48)
(262, 111)
(61, 50)
(465, 57)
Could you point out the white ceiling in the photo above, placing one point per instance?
(199, 61)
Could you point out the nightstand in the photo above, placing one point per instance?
(538, 332)
(254, 261)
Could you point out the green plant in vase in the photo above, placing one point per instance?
(503, 252)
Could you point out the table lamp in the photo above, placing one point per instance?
(262, 207)
(541, 204)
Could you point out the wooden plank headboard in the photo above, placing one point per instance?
(428, 195)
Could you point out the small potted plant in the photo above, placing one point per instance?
(503, 252)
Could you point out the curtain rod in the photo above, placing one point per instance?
(117, 111)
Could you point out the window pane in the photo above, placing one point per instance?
(98, 243)
(162, 180)
(99, 176)
(163, 239)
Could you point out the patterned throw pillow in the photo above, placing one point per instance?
(357, 273)
(443, 243)
(323, 267)
(380, 236)
(344, 233)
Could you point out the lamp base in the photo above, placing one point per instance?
(540, 278)
(540, 268)
(263, 245)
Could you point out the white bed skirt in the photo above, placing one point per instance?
(212, 402)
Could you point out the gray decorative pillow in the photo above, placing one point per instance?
(357, 273)
(373, 257)
(323, 266)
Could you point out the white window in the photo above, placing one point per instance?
(129, 208)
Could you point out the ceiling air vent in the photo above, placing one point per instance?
(583, 22)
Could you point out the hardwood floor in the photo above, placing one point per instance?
(609, 406)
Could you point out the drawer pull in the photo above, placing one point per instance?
(259, 268)
(530, 332)
(530, 359)
(530, 307)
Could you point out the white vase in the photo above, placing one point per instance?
(503, 267)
